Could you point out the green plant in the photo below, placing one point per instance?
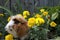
(37, 31)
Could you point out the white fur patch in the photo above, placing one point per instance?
(9, 26)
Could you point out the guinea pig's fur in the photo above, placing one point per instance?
(18, 27)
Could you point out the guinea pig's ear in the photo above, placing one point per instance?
(23, 20)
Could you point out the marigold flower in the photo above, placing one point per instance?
(8, 19)
(26, 13)
(40, 21)
(30, 25)
(42, 10)
(1, 14)
(9, 37)
(0, 34)
(45, 13)
(37, 15)
(31, 22)
(53, 24)
(25, 16)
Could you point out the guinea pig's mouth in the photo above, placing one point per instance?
(11, 31)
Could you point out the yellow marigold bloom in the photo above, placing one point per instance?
(25, 16)
(8, 19)
(31, 22)
(40, 21)
(37, 15)
(0, 34)
(1, 14)
(26, 13)
(9, 37)
(45, 13)
(42, 10)
(53, 24)
(30, 25)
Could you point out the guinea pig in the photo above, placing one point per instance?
(17, 26)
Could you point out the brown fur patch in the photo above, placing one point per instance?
(21, 28)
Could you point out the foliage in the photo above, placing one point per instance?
(43, 22)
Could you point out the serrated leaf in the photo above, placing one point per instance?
(54, 16)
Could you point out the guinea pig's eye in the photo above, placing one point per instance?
(22, 23)
(16, 21)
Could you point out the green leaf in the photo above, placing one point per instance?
(1, 7)
(54, 16)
